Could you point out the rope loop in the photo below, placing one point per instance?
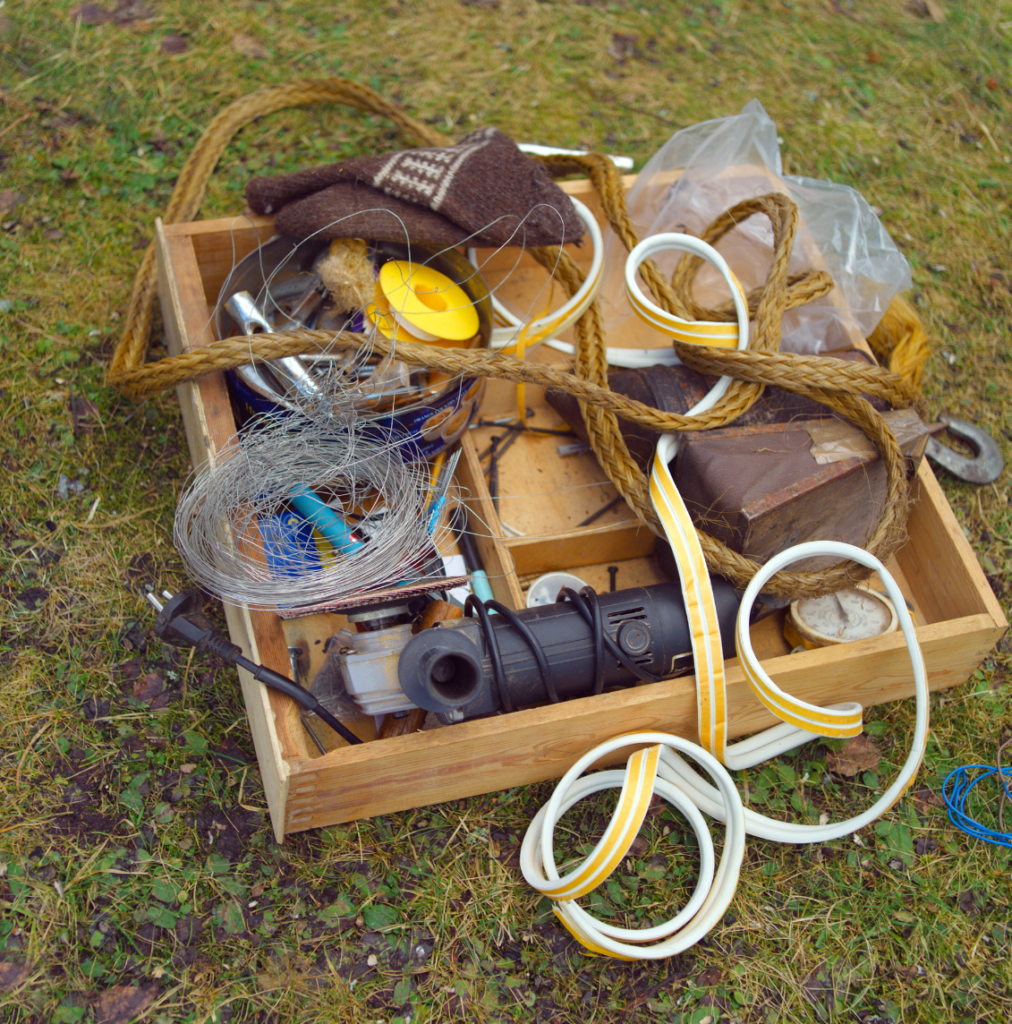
(836, 384)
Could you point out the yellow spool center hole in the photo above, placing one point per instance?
(431, 298)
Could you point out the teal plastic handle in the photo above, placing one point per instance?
(480, 585)
(337, 532)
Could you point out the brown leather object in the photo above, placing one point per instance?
(483, 186)
(677, 389)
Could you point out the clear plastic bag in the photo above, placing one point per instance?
(704, 170)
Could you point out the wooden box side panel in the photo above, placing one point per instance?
(498, 562)
(938, 561)
(210, 429)
(577, 549)
(274, 770)
(485, 755)
(220, 244)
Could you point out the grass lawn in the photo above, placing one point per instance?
(138, 875)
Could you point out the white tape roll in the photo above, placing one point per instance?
(541, 328)
(642, 778)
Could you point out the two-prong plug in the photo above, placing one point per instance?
(181, 622)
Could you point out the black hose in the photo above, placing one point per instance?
(476, 605)
(532, 641)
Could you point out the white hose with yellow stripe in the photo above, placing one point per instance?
(659, 768)
(646, 773)
(543, 327)
(690, 332)
(808, 724)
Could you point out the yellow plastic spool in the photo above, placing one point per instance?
(428, 303)
(380, 314)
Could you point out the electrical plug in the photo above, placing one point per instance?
(181, 622)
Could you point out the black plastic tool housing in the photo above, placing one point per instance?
(449, 670)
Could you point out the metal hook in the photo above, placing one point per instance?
(987, 463)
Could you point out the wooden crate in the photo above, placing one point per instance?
(543, 498)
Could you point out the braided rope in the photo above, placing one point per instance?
(838, 385)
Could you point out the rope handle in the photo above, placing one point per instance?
(833, 383)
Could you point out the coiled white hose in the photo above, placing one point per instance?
(659, 768)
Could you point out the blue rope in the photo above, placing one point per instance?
(956, 791)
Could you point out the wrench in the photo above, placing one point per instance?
(987, 463)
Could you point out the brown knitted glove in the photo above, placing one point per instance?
(483, 188)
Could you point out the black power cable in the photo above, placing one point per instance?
(587, 605)
(181, 622)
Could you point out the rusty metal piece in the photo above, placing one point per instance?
(294, 653)
(987, 463)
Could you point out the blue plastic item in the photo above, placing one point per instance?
(956, 791)
(325, 519)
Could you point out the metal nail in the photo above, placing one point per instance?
(493, 474)
(600, 512)
(502, 451)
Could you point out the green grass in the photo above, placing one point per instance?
(134, 846)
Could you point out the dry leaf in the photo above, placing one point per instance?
(10, 201)
(248, 46)
(174, 44)
(925, 799)
(927, 9)
(151, 689)
(53, 234)
(12, 975)
(857, 755)
(935, 11)
(90, 14)
(83, 411)
(124, 1003)
(622, 46)
(129, 13)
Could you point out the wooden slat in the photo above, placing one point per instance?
(485, 526)
(210, 430)
(939, 562)
(485, 755)
(580, 547)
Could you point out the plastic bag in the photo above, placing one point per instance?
(704, 170)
